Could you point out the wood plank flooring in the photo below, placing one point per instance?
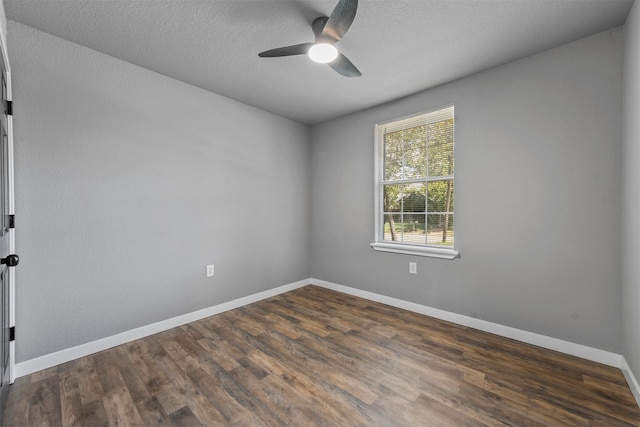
(318, 357)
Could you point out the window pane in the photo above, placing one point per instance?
(414, 197)
(440, 148)
(392, 198)
(414, 228)
(415, 158)
(440, 196)
(394, 140)
(415, 152)
(393, 166)
(415, 135)
(440, 229)
(392, 227)
(393, 156)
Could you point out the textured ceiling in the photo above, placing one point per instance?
(400, 46)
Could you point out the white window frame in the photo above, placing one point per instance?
(402, 247)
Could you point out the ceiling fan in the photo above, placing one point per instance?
(328, 31)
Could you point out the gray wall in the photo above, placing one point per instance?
(128, 183)
(538, 146)
(631, 195)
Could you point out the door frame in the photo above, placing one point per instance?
(12, 242)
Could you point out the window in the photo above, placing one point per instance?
(415, 185)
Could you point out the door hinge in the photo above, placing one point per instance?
(8, 108)
(12, 333)
(12, 221)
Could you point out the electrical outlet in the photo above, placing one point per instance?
(210, 270)
(413, 268)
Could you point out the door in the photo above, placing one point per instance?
(7, 259)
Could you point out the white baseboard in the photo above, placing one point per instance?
(49, 360)
(631, 379)
(589, 353)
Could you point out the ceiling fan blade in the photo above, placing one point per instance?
(298, 49)
(343, 66)
(340, 20)
(318, 25)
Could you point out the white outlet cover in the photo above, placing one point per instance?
(210, 270)
(413, 268)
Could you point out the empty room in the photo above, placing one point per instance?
(320, 212)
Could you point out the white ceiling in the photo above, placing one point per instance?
(400, 46)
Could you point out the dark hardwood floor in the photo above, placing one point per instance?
(318, 357)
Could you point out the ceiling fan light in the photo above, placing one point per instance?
(323, 53)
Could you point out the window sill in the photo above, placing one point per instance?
(416, 250)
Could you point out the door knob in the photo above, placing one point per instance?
(10, 260)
